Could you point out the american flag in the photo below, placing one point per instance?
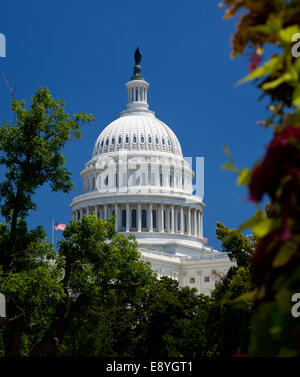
(59, 226)
(205, 239)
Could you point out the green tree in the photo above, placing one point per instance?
(30, 151)
(173, 324)
(238, 247)
(32, 288)
(163, 320)
(109, 329)
(230, 307)
(97, 261)
(92, 266)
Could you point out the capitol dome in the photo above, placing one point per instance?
(137, 130)
(138, 174)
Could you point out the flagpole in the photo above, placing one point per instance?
(52, 232)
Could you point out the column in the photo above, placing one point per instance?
(139, 218)
(172, 219)
(161, 218)
(127, 217)
(168, 219)
(105, 211)
(150, 227)
(181, 220)
(81, 213)
(96, 211)
(199, 227)
(117, 217)
(195, 223)
(87, 210)
(189, 221)
(201, 223)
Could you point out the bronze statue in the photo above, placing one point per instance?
(137, 56)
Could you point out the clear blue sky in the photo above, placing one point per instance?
(83, 51)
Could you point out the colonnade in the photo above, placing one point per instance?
(137, 94)
(149, 217)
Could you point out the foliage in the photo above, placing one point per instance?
(169, 321)
(165, 321)
(276, 261)
(174, 324)
(238, 248)
(30, 151)
(93, 265)
(231, 304)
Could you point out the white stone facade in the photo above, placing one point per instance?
(138, 173)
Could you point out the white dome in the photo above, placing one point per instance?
(137, 130)
(149, 191)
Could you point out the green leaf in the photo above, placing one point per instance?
(254, 220)
(273, 84)
(268, 68)
(292, 69)
(286, 34)
(244, 177)
(259, 223)
(229, 165)
(296, 97)
(284, 255)
(247, 296)
(272, 27)
(227, 152)
(263, 228)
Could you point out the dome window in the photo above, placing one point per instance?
(102, 143)
(144, 218)
(169, 142)
(133, 218)
(142, 139)
(124, 218)
(134, 139)
(149, 139)
(154, 225)
(113, 141)
(163, 141)
(156, 140)
(120, 140)
(127, 139)
(107, 141)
